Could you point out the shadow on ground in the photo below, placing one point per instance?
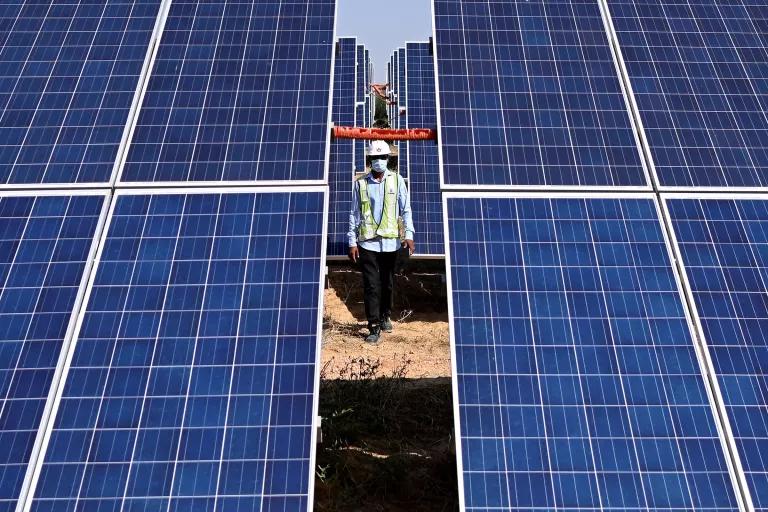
(387, 437)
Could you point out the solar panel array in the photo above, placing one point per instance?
(531, 96)
(402, 102)
(579, 379)
(599, 365)
(70, 77)
(159, 346)
(700, 82)
(239, 91)
(424, 171)
(193, 377)
(342, 150)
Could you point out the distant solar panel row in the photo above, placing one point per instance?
(341, 153)
(70, 72)
(193, 381)
(424, 171)
(577, 377)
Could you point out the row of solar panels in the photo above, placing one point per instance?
(208, 92)
(583, 380)
(608, 345)
(531, 93)
(164, 344)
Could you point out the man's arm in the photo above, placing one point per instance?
(404, 202)
(354, 221)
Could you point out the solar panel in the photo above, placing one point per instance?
(701, 87)
(424, 171)
(70, 74)
(46, 244)
(342, 157)
(193, 383)
(239, 92)
(722, 244)
(530, 96)
(577, 379)
(402, 102)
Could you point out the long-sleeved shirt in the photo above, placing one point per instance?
(376, 192)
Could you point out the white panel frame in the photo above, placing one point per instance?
(700, 354)
(57, 391)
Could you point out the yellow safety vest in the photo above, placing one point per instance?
(388, 227)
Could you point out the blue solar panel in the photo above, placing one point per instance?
(46, 243)
(530, 96)
(698, 70)
(577, 378)
(193, 382)
(402, 102)
(70, 72)
(239, 92)
(723, 244)
(342, 161)
(424, 169)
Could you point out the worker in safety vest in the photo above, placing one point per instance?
(378, 199)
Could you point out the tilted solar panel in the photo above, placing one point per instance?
(424, 169)
(342, 162)
(46, 246)
(577, 379)
(530, 96)
(723, 247)
(193, 382)
(402, 102)
(239, 91)
(698, 71)
(69, 80)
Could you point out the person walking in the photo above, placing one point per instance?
(378, 199)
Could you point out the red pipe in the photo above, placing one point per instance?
(349, 132)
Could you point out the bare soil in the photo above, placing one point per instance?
(387, 409)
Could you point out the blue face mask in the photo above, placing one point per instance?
(379, 165)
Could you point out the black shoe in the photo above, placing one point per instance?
(386, 324)
(375, 334)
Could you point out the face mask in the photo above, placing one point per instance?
(379, 165)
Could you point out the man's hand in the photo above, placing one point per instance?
(410, 245)
(354, 254)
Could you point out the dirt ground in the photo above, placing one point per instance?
(420, 320)
(387, 409)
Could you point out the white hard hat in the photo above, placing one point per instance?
(378, 148)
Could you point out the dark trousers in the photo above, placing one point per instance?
(378, 280)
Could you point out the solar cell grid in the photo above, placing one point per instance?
(402, 101)
(342, 157)
(69, 79)
(239, 91)
(424, 172)
(577, 378)
(723, 244)
(530, 96)
(46, 244)
(701, 87)
(193, 381)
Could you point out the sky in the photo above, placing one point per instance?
(383, 26)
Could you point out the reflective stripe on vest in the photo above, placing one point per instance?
(388, 228)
